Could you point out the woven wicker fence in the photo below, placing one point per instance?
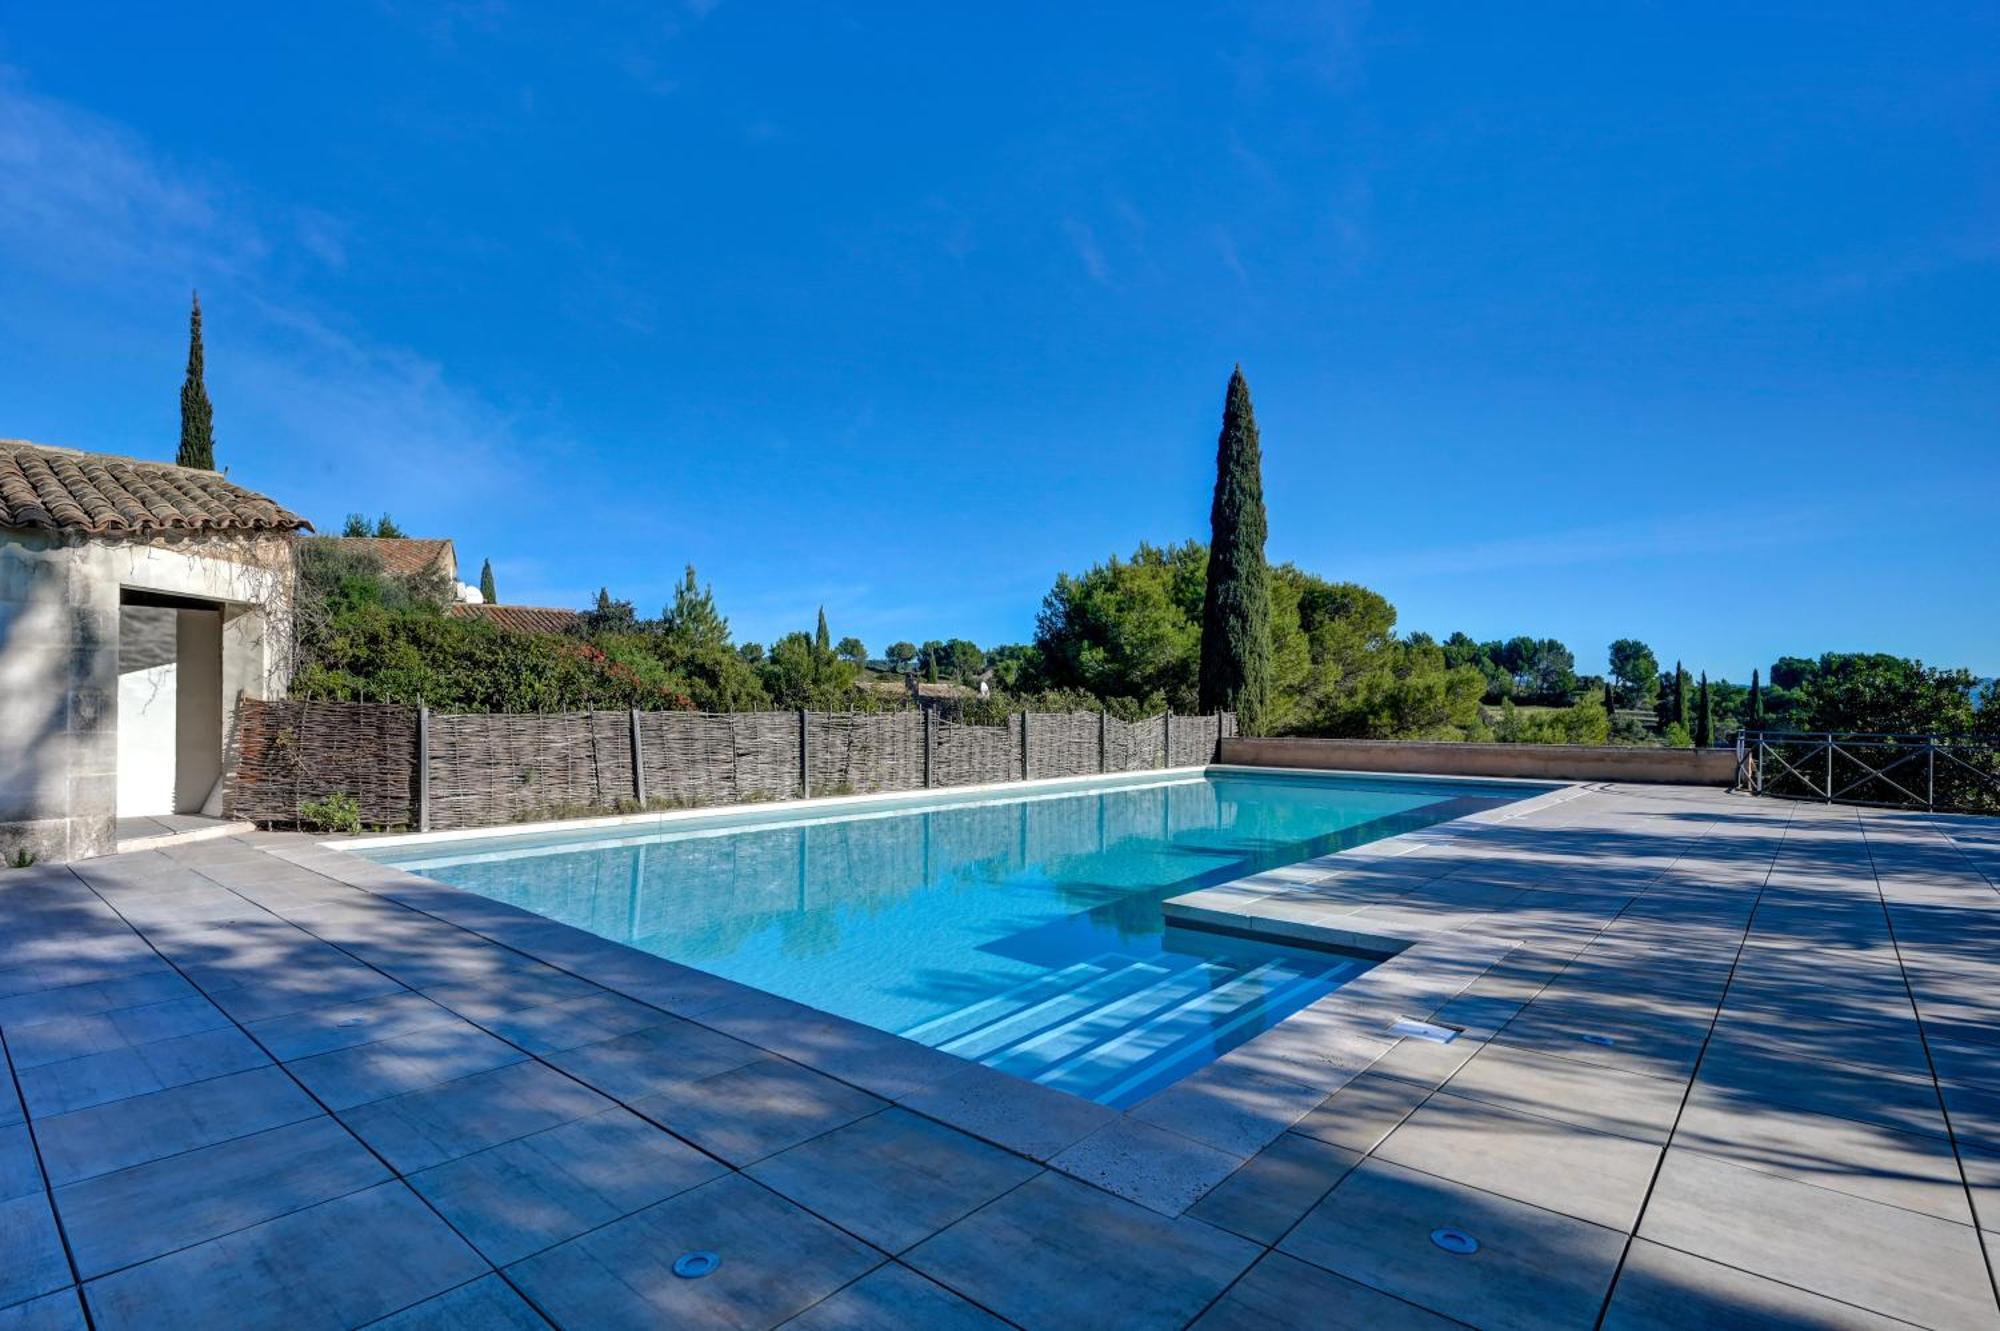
(408, 768)
(285, 754)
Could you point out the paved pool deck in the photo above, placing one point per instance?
(1724, 1062)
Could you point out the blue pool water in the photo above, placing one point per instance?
(1022, 932)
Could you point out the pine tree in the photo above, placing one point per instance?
(197, 417)
(1756, 709)
(1704, 717)
(692, 620)
(486, 583)
(1236, 608)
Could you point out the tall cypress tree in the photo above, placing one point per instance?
(1236, 608)
(197, 418)
(1680, 694)
(1610, 701)
(1756, 702)
(486, 583)
(1704, 717)
(822, 640)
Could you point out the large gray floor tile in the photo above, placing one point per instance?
(79, 1083)
(1275, 1187)
(1896, 1262)
(651, 1060)
(576, 1021)
(1739, 1072)
(151, 1127)
(1281, 1293)
(1005, 1257)
(323, 1030)
(103, 1032)
(403, 1063)
(20, 1170)
(1534, 1268)
(60, 1311)
(31, 1253)
(1035, 1121)
(135, 1214)
(894, 1296)
(525, 1195)
(1661, 1289)
(1362, 1113)
(424, 1128)
(1545, 1162)
(757, 1109)
(776, 1261)
(487, 1304)
(1904, 1169)
(340, 1264)
(893, 1178)
(1606, 1099)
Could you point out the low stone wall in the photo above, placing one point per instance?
(1547, 762)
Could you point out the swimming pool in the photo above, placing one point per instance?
(1019, 930)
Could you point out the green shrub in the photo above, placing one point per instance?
(338, 812)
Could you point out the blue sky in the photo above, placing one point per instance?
(1573, 320)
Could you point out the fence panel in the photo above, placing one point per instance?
(855, 753)
(1890, 771)
(1062, 744)
(698, 758)
(487, 770)
(1134, 746)
(287, 753)
(969, 755)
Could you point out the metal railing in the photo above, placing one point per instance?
(1929, 772)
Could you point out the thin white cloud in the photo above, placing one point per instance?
(1084, 241)
(1653, 539)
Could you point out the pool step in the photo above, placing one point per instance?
(953, 1024)
(982, 1041)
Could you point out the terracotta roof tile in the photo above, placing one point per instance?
(61, 489)
(521, 618)
(404, 556)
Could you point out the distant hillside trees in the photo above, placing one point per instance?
(1636, 672)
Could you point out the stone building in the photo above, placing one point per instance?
(138, 601)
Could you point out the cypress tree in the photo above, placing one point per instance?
(1236, 607)
(1610, 701)
(1680, 694)
(822, 640)
(1756, 702)
(197, 417)
(486, 583)
(1704, 717)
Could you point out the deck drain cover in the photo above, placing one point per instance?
(1455, 1241)
(1606, 1040)
(1436, 1032)
(695, 1265)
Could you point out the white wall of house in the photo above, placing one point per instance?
(59, 676)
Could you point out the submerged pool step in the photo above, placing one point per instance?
(1147, 1052)
(982, 1041)
(957, 1022)
(1056, 1043)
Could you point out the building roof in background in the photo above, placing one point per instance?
(97, 494)
(406, 556)
(521, 618)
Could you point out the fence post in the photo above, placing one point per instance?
(638, 762)
(930, 750)
(1829, 767)
(1024, 744)
(805, 756)
(1103, 757)
(1762, 758)
(1167, 739)
(423, 768)
(1930, 773)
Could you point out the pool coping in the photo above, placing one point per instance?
(1166, 1152)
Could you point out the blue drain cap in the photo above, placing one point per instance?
(1455, 1241)
(695, 1265)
